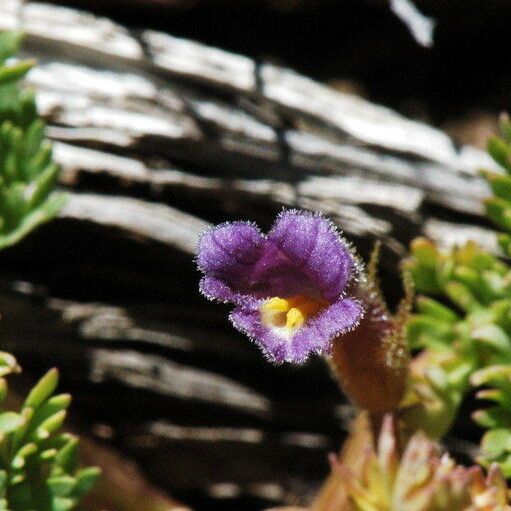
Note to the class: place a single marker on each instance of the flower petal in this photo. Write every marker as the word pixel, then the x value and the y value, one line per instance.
pixel 227 254
pixel 248 321
pixel 312 243
pixel 317 334
pixel 216 289
pixel 314 337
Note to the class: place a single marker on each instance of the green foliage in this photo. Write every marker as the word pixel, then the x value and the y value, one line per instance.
pixel 466 336
pixel 498 207
pixel 471 333
pixel 27 173
pixel 38 466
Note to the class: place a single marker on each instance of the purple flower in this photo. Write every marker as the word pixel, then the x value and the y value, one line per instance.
pixel 288 287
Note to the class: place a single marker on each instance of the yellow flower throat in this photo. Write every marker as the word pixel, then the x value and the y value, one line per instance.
pixel 290 313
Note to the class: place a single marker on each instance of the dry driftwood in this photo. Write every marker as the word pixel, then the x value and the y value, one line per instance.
pixel 158 138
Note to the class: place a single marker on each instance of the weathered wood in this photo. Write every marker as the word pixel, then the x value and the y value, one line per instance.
pixel 148 220
pixel 158 138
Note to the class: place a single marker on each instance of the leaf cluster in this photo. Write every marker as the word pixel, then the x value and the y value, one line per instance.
pixel 28 175
pixel 464 325
pixel 38 462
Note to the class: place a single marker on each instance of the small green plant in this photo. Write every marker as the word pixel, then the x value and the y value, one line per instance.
pixel 28 174
pixel 38 462
pixel 417 478
pixel 466 336
pixel 457 339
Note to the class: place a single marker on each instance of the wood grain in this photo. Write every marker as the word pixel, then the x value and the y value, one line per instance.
pixel 158 138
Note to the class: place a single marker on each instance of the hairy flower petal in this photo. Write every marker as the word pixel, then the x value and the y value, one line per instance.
pixel 312 243
pixel 228 254
pixel 314 337
pixel 289 287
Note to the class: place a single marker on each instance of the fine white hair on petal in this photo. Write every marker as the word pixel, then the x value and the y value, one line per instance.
pixel 358 266
pixel 217 227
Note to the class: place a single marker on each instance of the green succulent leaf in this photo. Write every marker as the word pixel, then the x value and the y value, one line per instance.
pixel 8 365
pixel 10 421
pixel 10 43
pixel 38 461
pixel 463 328
pixel 85 480
pixel 28 177
pixel 496 443
pixel 43 389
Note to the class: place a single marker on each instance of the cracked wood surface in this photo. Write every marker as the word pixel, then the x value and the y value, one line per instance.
pixel 158 138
